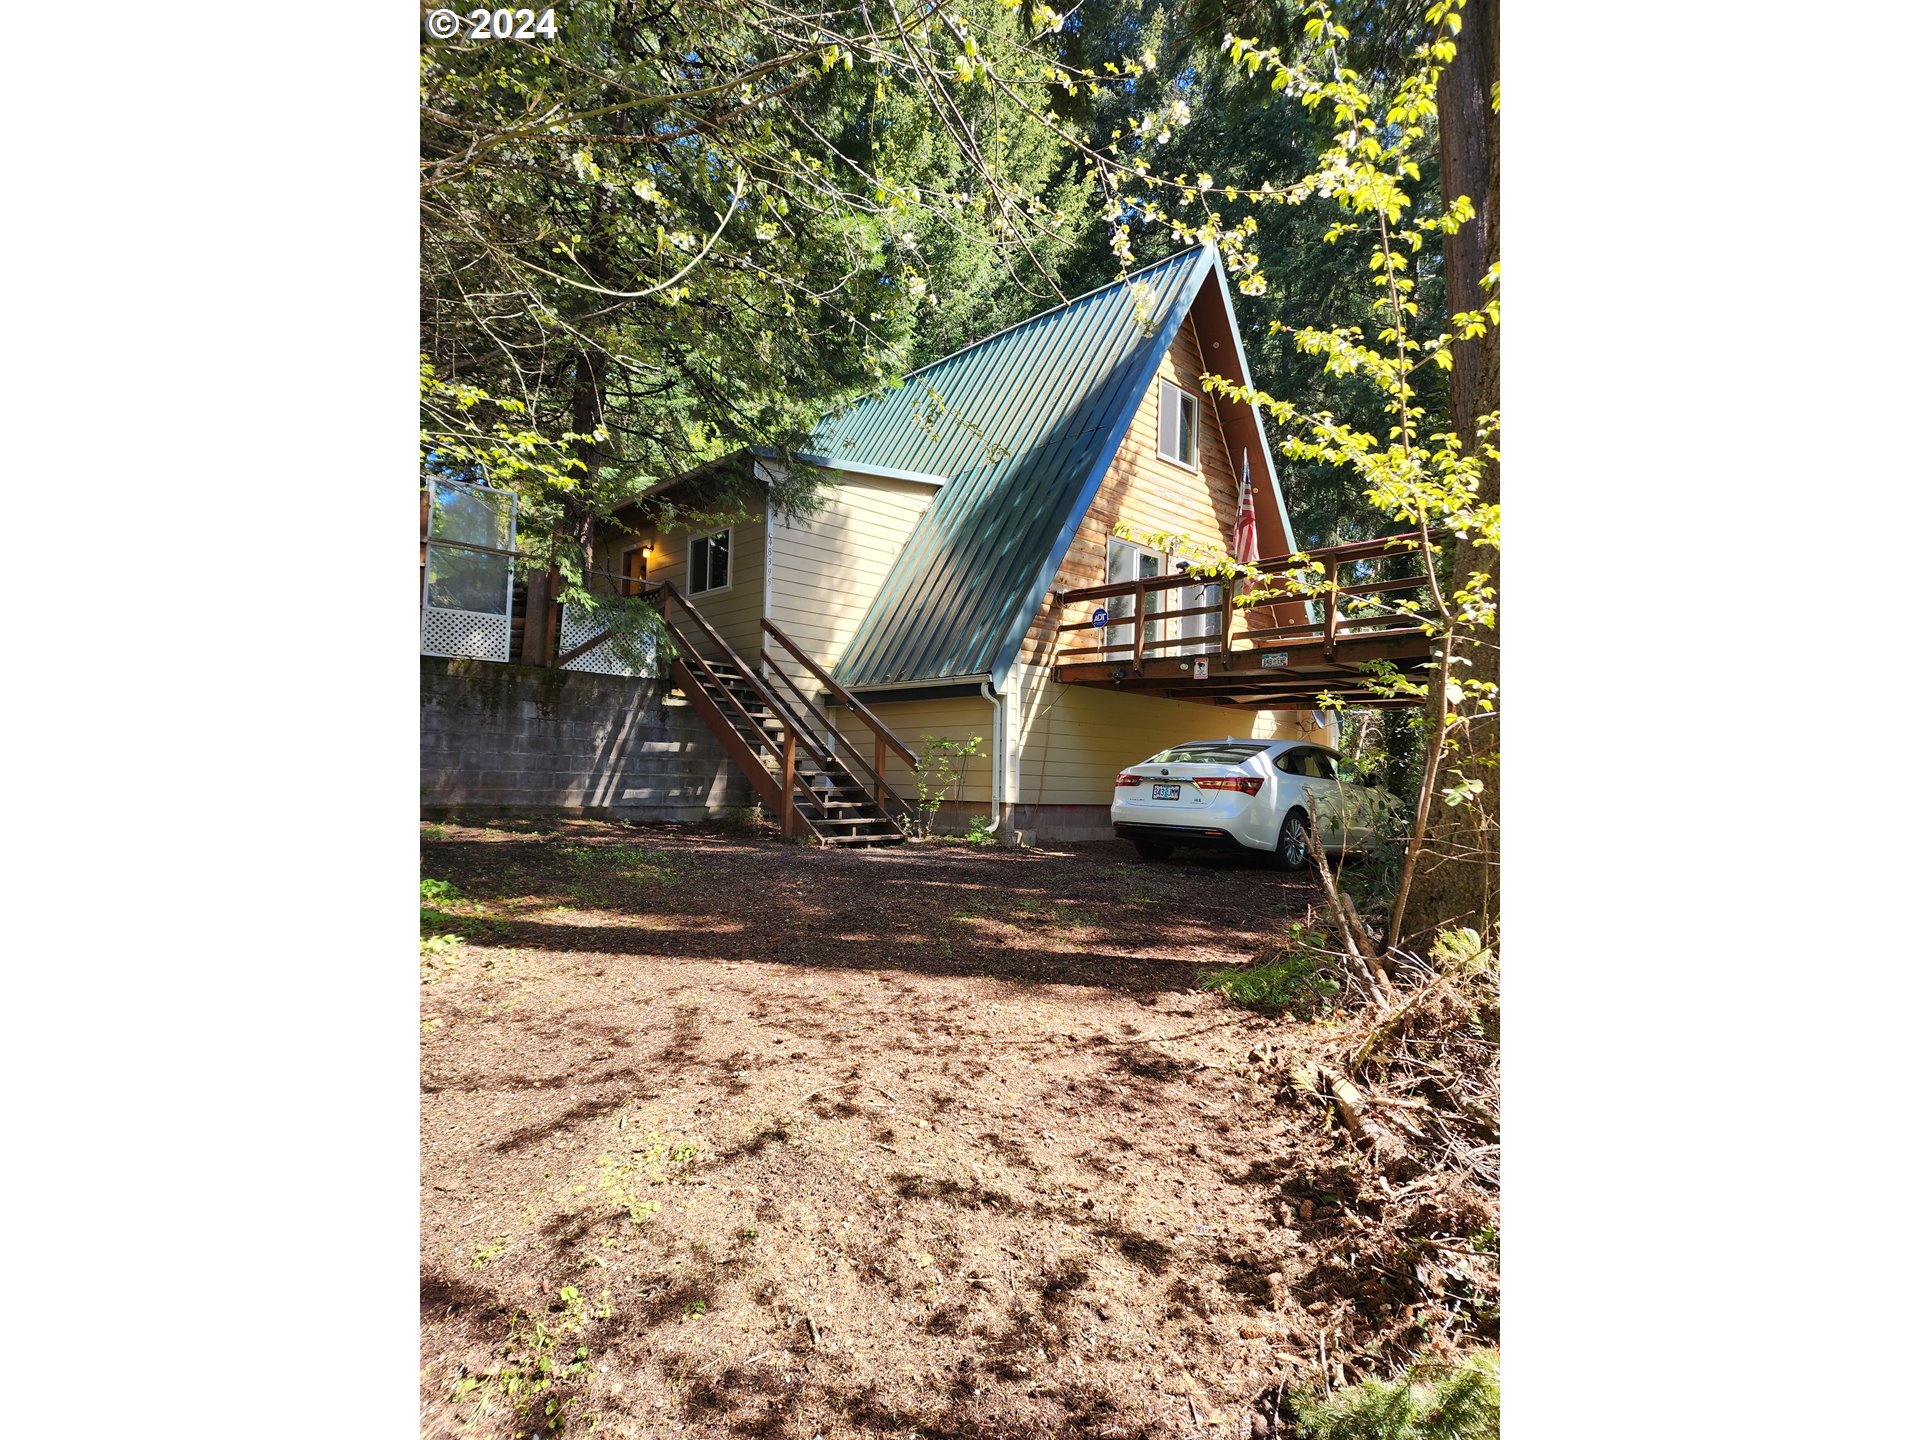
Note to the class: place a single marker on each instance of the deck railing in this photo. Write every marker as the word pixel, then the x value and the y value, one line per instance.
pixel 1081 607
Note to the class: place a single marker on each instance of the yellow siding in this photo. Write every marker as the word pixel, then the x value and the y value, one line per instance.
pixel 827 570
pixel 735 610
pixel 958 719
pixel 1075 738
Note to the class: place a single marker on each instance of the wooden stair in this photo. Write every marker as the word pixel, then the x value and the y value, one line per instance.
pixel 798 762
pixel 836 807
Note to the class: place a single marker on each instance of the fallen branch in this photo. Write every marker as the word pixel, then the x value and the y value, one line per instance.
pixel 1183 1035
pixel 1365 962
pixel 1397 1020
pixel 1359 931
pixel 1348 1099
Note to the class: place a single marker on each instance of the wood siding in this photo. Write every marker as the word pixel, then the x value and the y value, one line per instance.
pixel 734 611
pixel 957 718
pixel 827 570
pixel 1149 494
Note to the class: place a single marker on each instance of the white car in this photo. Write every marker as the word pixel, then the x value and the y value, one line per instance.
pixel 1256 794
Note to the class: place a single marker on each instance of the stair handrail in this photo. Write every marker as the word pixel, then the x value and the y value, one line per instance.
pixel 882 791
pixel 714 683
pixel 807 740
pixel 812 709
pixel 846 697
pixel 795 731
pixel 778 789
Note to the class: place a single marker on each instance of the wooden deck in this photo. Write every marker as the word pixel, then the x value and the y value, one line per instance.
pixel 1276 667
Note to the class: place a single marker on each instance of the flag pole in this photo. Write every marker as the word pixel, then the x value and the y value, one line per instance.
pixel 1233 582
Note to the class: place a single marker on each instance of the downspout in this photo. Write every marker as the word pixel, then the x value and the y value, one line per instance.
pixel 998 766
pixel 1006 758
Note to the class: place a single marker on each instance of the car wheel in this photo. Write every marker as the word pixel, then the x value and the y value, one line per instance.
pixel 1291 851
pixel 1154 849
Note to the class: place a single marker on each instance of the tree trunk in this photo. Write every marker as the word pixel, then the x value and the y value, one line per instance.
pixel 1470 166
pixel 589 409
pixel 1457 881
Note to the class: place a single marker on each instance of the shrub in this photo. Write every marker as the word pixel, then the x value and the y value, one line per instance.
pixel 938 777
pixel 1294 979
pixel 1457 1400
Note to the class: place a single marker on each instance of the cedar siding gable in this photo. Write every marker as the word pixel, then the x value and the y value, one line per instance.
pixel 1022 425
pixel 1048 437
pixel 1148 494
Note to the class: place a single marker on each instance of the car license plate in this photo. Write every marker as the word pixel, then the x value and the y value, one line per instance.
pixel 1166 792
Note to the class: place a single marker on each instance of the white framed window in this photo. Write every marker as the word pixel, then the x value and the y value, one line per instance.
pixel 1179 425
pixel 1127 562
pixel 1202 632
pixel 709 562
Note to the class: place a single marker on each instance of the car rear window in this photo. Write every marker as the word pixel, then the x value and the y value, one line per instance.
pixel 1218 754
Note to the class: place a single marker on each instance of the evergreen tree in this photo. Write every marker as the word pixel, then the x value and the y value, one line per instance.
pixel 677 230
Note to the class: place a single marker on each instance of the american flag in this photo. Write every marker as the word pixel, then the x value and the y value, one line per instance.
pixel 1245 545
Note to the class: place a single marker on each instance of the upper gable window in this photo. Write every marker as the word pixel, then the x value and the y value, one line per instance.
pixel 1179 425
pixel 707 562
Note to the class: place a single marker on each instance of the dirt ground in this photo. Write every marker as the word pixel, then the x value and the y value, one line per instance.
pixel 723 1137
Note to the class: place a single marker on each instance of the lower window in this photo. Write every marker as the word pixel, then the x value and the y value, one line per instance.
pixel 707 561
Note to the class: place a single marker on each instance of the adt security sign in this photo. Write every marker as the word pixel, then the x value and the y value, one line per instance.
pixel 1100 616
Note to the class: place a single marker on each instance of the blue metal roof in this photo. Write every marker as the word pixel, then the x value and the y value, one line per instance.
pixel 1024 425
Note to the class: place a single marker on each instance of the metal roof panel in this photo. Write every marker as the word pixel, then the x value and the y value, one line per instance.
pixel 1023 424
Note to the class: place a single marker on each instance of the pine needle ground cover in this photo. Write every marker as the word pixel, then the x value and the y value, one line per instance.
pixel 723 1138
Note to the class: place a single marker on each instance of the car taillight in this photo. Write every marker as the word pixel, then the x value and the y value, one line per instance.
pixel 1245 784
pixel 1123 778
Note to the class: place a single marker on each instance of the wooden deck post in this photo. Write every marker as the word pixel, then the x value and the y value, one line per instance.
pixel 789 811
pixel 1226 619
pixel 537 633
pixel 1139 623
pixel 1332 602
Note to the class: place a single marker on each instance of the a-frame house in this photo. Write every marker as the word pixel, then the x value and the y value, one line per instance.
pixel 922 599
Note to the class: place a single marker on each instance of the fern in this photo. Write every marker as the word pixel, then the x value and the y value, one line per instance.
pixel 1460 1401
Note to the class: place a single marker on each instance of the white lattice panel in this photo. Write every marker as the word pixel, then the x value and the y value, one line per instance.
pixel 465 633
pixel 602 659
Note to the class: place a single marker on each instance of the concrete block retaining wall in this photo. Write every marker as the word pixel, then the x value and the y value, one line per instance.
pixel 514 737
